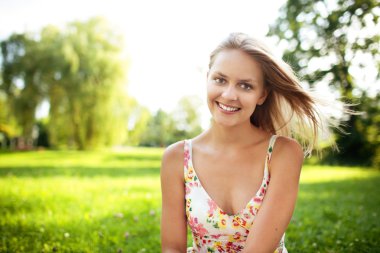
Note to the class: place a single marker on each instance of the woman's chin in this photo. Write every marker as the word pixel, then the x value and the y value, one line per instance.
pixel 224 122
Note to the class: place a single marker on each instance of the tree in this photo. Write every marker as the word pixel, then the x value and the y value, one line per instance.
pixel 22 73
pixel 80 70
pixel 166 128
pixel 187 119
pixel 138 124
pixel 8 124
pixel 88 86
pixel 159 130
pixel 332 42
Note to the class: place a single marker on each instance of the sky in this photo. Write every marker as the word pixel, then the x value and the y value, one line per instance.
pixel 167 41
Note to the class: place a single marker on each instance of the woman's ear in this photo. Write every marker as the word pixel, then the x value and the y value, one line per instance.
pixel 263 97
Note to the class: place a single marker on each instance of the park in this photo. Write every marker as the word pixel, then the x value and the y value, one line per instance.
pixel 80 153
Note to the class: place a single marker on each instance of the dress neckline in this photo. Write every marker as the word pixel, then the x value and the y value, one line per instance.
pixel 257 194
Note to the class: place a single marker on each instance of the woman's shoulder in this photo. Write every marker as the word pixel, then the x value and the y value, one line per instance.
pixel 288 145
pixel 174 151
pixel 172 159
pixel 287 152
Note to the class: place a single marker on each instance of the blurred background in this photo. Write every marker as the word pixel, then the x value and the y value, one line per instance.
pixel 82 76
pixel 92 91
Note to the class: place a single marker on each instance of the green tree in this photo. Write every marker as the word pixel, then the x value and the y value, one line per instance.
pixel 332 41
pixel 8 124
pixel 138 124
pixel 159 130
pixel 22 74
pixel 187 118
pixel 80 70
pixel 166 128
pixel 91 84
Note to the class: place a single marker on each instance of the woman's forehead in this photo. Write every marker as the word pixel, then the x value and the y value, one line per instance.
pixel 236 63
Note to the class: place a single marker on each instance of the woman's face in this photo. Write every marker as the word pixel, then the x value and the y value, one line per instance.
pixel 235 86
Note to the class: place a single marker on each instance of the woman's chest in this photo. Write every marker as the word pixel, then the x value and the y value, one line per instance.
pixel 230 184
pixel 223 207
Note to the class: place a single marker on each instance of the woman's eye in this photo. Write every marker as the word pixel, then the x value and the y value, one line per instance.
pixel 246 86
pixel 219 80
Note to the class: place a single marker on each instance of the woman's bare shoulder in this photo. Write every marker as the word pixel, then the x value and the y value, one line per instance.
pixel 287 152
pixel 174 152
pixel 288 144
pixel 172 159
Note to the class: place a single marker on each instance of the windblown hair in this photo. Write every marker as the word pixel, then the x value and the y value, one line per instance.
pixel 289 110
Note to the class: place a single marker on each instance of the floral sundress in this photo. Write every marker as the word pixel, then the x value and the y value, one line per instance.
pixel 213 230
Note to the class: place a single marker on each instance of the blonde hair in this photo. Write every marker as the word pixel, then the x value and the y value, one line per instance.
pixel 289 110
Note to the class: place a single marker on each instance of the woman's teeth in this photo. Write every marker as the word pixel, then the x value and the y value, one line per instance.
pixel 228 108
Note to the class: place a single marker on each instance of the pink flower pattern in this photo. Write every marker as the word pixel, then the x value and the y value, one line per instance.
pixel 213 230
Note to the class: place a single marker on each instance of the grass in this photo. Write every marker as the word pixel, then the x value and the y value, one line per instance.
pixel 67 201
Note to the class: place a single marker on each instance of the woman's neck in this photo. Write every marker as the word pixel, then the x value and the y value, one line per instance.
pixel 236 136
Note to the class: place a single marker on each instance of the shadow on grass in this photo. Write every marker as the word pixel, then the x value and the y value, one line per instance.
pixel 136 162
pixel 340 216
pixel 78 171
pixel 136 157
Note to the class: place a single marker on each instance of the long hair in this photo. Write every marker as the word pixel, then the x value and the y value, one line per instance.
pixel 289 110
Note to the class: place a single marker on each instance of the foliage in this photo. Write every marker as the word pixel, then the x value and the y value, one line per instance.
pixel 187 118
pixel 138 124
pixel 164 129
pixel 158 131
pixel 43 136
pixel 8 124
pixel 80 71
pixel 337 42
pixel 22 79
pixel 70 201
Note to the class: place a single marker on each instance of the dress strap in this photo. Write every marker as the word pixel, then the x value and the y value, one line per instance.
pixel 187 154
pixel 271 145
pixel 269 152
pixel 190 147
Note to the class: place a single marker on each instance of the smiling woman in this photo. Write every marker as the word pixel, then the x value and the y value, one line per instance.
pixel 240 178
pixel 235 87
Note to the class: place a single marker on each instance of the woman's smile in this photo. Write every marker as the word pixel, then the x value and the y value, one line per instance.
pixel 227 108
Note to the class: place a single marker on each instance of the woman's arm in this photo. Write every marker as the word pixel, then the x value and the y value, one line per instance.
pixel 277 208
pixel 173 220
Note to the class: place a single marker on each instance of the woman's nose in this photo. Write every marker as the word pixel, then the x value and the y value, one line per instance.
pixel 230 93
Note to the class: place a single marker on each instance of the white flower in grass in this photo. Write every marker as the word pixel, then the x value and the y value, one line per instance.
pixel 126 235
pixel 66 235
pixel 119 215
pixel 152 212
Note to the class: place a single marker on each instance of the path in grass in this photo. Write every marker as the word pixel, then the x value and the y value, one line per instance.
pixel 67 201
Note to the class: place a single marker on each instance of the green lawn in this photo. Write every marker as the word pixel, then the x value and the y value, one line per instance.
pixel 68 201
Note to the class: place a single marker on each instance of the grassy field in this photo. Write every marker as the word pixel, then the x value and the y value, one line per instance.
pixel 67 201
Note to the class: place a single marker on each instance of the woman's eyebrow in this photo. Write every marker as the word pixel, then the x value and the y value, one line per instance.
pixel 250 80
pixel 220 74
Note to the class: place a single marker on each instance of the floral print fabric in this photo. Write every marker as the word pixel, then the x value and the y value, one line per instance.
pixel 213 230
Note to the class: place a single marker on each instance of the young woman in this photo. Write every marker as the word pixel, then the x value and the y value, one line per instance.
pixel 235 185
